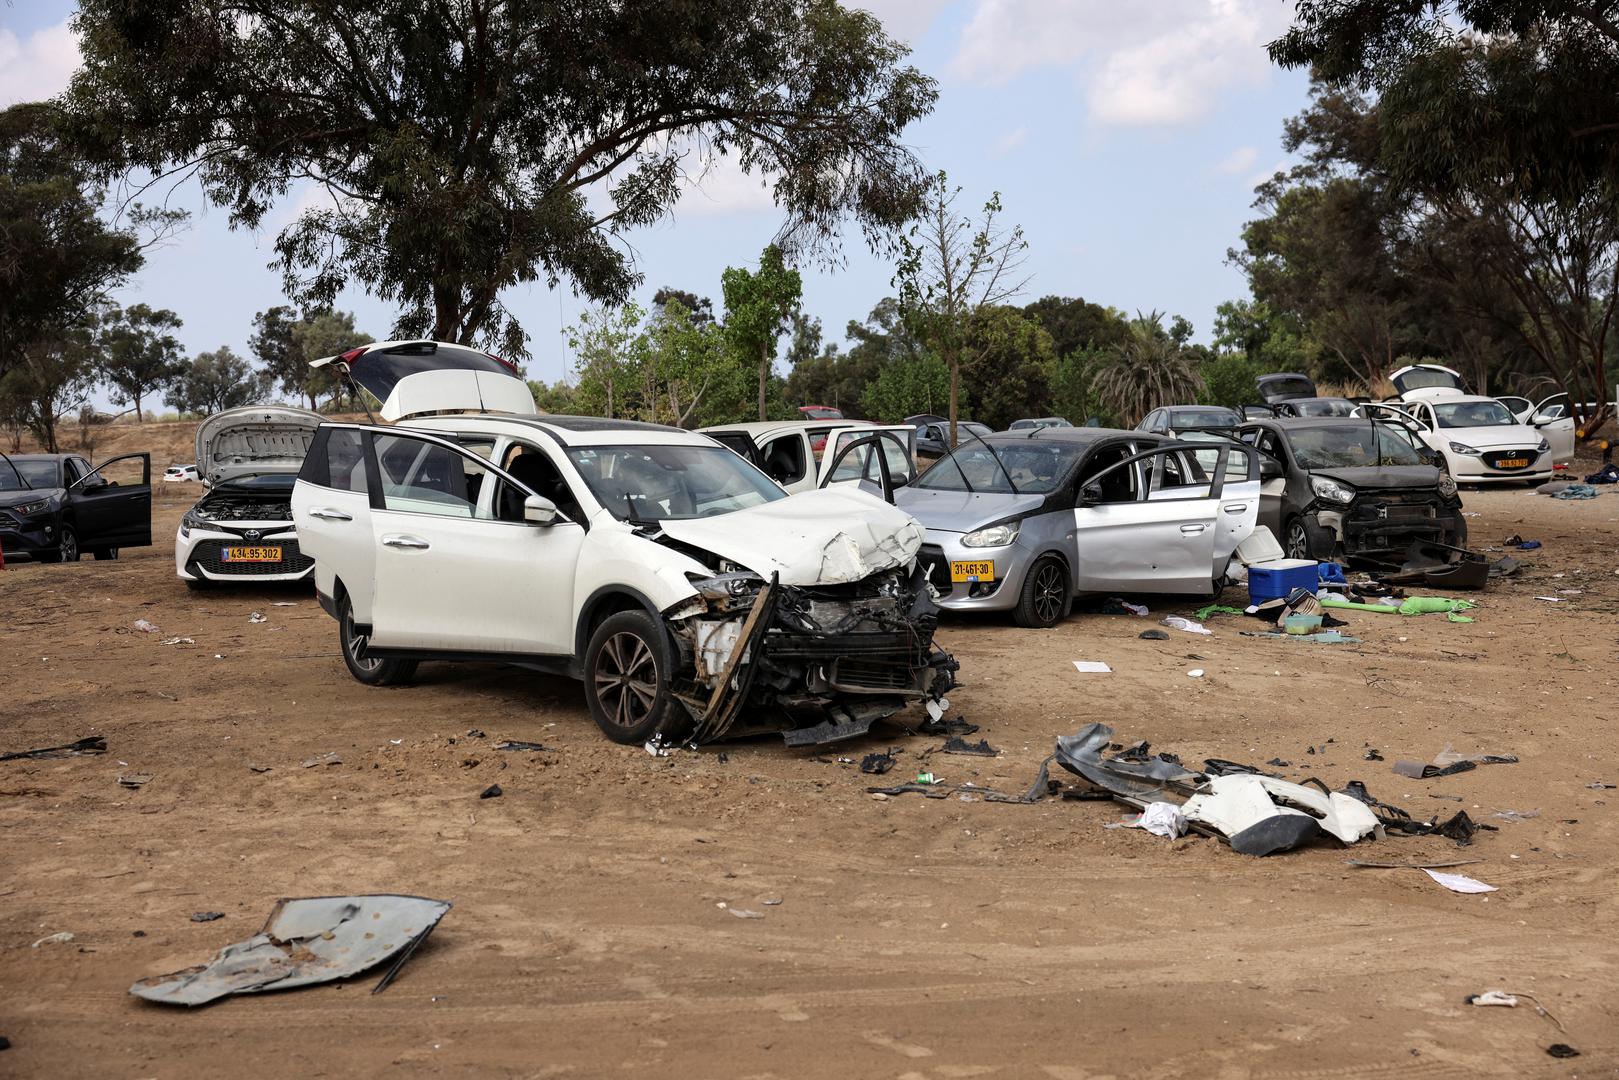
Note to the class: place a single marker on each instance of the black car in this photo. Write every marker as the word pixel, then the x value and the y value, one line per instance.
pixel 1284 386
pixel 933 433
pixel 1338 488
pixel 1174 419
pixel 55 506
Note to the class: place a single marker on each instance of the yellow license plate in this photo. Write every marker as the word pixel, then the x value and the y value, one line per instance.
pixel 252 554
pixel 972 571
pixel 1511 463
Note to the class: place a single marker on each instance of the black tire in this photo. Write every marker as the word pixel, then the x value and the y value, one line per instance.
pixel 627 668
pixel 104 554
pixel 1296 540
pixel 373 671
pixel 1043 600
pixel 67 548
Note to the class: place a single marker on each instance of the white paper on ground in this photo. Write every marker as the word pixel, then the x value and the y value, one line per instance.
pixel 1460 883
pixel 1186 624
pixel 1091 665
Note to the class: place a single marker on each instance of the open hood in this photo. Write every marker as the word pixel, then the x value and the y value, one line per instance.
pixel 416 378
pixel 1427 377
pixel 1284 386
pixel 829 537
pixel 255 440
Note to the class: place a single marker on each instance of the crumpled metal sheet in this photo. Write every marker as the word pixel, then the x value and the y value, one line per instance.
pixel 1250 811
pixel 1081 753
pixel 305 941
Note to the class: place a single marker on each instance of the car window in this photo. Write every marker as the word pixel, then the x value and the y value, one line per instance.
pixel 537 472
pixel 1516 404
pixel 70 472
pixel 1117 484
pixel 650 483
pixel 861 463
pixel 336 459
pixel 39 474
pixel 1466 414
pixel 423 477
pixel 783 458
pixel 1352 446
pixel 1036 468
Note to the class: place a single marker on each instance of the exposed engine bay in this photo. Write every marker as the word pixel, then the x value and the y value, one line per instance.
pixel 232 506
pixel 819 663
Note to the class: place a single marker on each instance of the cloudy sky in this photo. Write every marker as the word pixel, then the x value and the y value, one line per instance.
pixel 1126 138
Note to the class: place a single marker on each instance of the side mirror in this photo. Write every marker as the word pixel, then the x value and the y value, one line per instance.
pixel 1541 419
pixel 538 510
pixel 1269 469
pixel 1090 495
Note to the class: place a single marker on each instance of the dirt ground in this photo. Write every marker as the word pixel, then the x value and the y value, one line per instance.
pixel 913 937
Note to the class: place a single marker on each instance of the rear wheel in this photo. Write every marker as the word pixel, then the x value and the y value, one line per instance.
pixel 371 670
pixel 103 554
pixel 1044 599
pixel 627 668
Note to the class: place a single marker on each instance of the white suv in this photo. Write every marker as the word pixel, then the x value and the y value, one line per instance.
pixel 693 596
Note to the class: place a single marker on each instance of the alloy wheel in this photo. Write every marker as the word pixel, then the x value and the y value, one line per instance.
pixel 1049 589
pixel 626 679
pixel 1298 542
pixel 70 546
pixel 356 643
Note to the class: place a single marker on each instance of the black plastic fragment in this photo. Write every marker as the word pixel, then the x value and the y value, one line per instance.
pixel 957 745
pixel 513 744
pixel 828 731
pixel 927 791
pixel 206 916
pixel 94 744
pixel 1153 635
pixel 877 764
pixel 1284 832
pixel 491 792
pixel 957 726
pixel 1562 1050
pixel 1278 762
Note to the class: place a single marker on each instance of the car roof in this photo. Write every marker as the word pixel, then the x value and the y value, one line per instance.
pixel 1297 423
pixel 766 427
pixel 1083 436
pixel 568 430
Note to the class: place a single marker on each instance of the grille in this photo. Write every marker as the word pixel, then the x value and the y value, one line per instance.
pixel 891 648
pixel 1494 460
pixel 862 673
pixel 210 556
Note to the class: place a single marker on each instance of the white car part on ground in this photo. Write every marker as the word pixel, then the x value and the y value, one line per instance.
pixel 1246 808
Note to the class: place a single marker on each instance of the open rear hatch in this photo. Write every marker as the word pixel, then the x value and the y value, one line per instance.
pixel 1427 377
pixel 418 378
pixel 255 440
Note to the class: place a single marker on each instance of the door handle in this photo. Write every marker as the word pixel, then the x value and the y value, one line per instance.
pixel 1192 530
pixel 1234 508
pixel 326 513
pixel 402 540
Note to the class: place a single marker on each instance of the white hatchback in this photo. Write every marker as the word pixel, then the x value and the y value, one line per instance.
pixel 692 595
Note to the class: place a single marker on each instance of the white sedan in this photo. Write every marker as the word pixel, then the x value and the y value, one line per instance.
pixel 1479 438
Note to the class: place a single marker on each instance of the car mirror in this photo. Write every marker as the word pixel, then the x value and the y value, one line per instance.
pixel 1541 419
pixel 1090 494
pixel 1269 468
pixel 538 510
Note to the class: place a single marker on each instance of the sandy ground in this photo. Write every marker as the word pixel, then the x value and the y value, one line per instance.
pixel 913 938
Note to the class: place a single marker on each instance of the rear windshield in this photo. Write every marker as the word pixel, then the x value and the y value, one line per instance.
pixel 1323 407
pixel 1295 387
pixel 380 371
pixel 1463 414
pixel 1351 447
pixel 1034 467
pixel 1421 378
pixel 1202 418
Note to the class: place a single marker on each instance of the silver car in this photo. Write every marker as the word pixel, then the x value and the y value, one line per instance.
pixel 1024 521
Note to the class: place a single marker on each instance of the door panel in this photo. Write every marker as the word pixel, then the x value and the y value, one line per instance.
pixel 860 465
pixel 113 503
pixel 1155 545
pixel 331 510
pixel 1560 432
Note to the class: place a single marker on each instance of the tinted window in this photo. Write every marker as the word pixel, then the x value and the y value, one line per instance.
pixel 660 483
pixel 1351 447
pixel 380 372
pixel 1204 418
pixel 426 478
pixel 1323 407
pixel 336 459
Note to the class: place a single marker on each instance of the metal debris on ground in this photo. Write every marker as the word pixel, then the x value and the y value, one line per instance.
pixel 877 764
pixel 93 744
pixel 134 780
pixel 513 744
pixel 59 938
pixel 957 745
pixel 178 641
pixel 1493 997
pixel 322 759
pixel 304 942
pixel 206 916
pixel 491 792
pixel 258 617
pixel 744 913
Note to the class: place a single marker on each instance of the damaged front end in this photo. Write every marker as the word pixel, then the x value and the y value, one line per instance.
pixel 819 663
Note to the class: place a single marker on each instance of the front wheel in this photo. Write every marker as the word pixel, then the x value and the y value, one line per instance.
pixel 1297 540
pixel 1044 599
pixel 627 668
pixel 67 548
pixel 371 670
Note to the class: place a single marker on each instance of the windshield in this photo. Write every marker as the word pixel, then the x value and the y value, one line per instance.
pixel 39 473
pixel 671 483
pixel 1324 407
pixel 1351 447
pixel 1464 414
pixel 1202 418
pixel 1035 467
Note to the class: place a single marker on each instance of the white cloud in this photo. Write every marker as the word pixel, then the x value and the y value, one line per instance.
pixel 1239 160
pixel 715 184
pixel 1163 62
pixel 906 20
pixel 1009 142
pixel 1261 177
pixel 39 66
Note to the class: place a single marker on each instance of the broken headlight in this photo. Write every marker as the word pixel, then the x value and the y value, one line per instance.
pixel 1333 491
pixel 994 536
pixel 732 585
pixel 1447 484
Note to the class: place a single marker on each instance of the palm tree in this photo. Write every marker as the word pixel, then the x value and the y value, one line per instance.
pixel 1149 369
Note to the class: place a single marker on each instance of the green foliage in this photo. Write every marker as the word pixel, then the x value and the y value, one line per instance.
pixel 1011 364
pixel 139 354
pixel 1073 386
pixel 215 381
pixel 1075 324
pixel 558 397
pixel 759 306
pixel 907 386
pixel 1149 370
pixel 841 379
pixel 285 345
pixel 469 147
pixel 51 380
pixel 1229 380
pixel 664 368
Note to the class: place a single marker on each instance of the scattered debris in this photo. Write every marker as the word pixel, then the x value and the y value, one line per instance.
pixel 134 780
pixel 491 792
pixel 61 938
pixel 330 758
pixel 877 764
pixel 1195 673
pixel 1153 635
pixel 1598 785
pixel 1176 622
pixel 206 916
pixel 656 746
pixel 1088 666
pixel 513 744
pixel 1372 754
pixel 178 641
pixel 957 745
pixel 1159 818
pixel 1562 1050
pixel 284 603
pixel 304 942
pixel 145 627
pixel 474 733
pixel 744 913
pixel 926 778
pixel 1516 815
pixel 258 768
pixel 1551 599
pixel 258 617
pixel 1493 997
pixel 1447 763
pixel 1365 865
pixel 1460 884
pixel 93 744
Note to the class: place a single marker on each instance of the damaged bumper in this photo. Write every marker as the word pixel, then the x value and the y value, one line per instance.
pixel 1380 525
pixel 819 663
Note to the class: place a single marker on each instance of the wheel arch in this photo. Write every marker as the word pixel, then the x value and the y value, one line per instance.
pixel 605 601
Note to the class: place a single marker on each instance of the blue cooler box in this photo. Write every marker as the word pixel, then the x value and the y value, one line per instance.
pixel 1274 580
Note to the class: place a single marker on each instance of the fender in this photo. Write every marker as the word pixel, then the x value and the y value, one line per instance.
pixel 603 602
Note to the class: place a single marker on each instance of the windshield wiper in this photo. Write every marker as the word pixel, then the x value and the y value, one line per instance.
pixel 994 454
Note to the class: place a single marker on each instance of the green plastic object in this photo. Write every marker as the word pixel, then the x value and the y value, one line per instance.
pixel 1202 614
pixel 1411 605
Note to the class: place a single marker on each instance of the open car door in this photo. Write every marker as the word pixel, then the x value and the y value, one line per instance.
pixel 1555 422
pixel 739 441
pixel 851 457
pixel 112 504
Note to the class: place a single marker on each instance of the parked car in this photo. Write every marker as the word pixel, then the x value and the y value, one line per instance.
pixel 933 433
pixel 1316 406
pixel 1339 487
pixel 691 594
pixel 1479 438
pixel 820 412
pixel 1174 419
pixel 54 507
pixel 175 474
pixel 1284 386
pixel 1024 521
pixel 241 529
pixel 793 452
pixel 1039 422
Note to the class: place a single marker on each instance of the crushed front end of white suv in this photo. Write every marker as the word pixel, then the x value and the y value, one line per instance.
pixel 694 598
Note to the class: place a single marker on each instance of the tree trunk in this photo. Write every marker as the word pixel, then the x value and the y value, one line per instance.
pixel 955 387
pixel 140 417
pixel 764 368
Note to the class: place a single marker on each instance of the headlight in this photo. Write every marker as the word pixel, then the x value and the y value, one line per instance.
pixel 1543 447
pixel 1332 490
pixel 192 520
pixel 994 536
pixel 1447 484
pixel 31 508
pixel 1463 448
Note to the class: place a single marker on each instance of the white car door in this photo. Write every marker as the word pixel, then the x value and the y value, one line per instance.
pixel 1556 425
pixel 1132 539
pixel 1237 497
pixel 786 459
pixel 331 510
pixel 859 466
pixel 457 567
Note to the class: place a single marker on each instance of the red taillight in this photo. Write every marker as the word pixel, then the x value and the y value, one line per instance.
pixel 508 363
pixel 352 355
